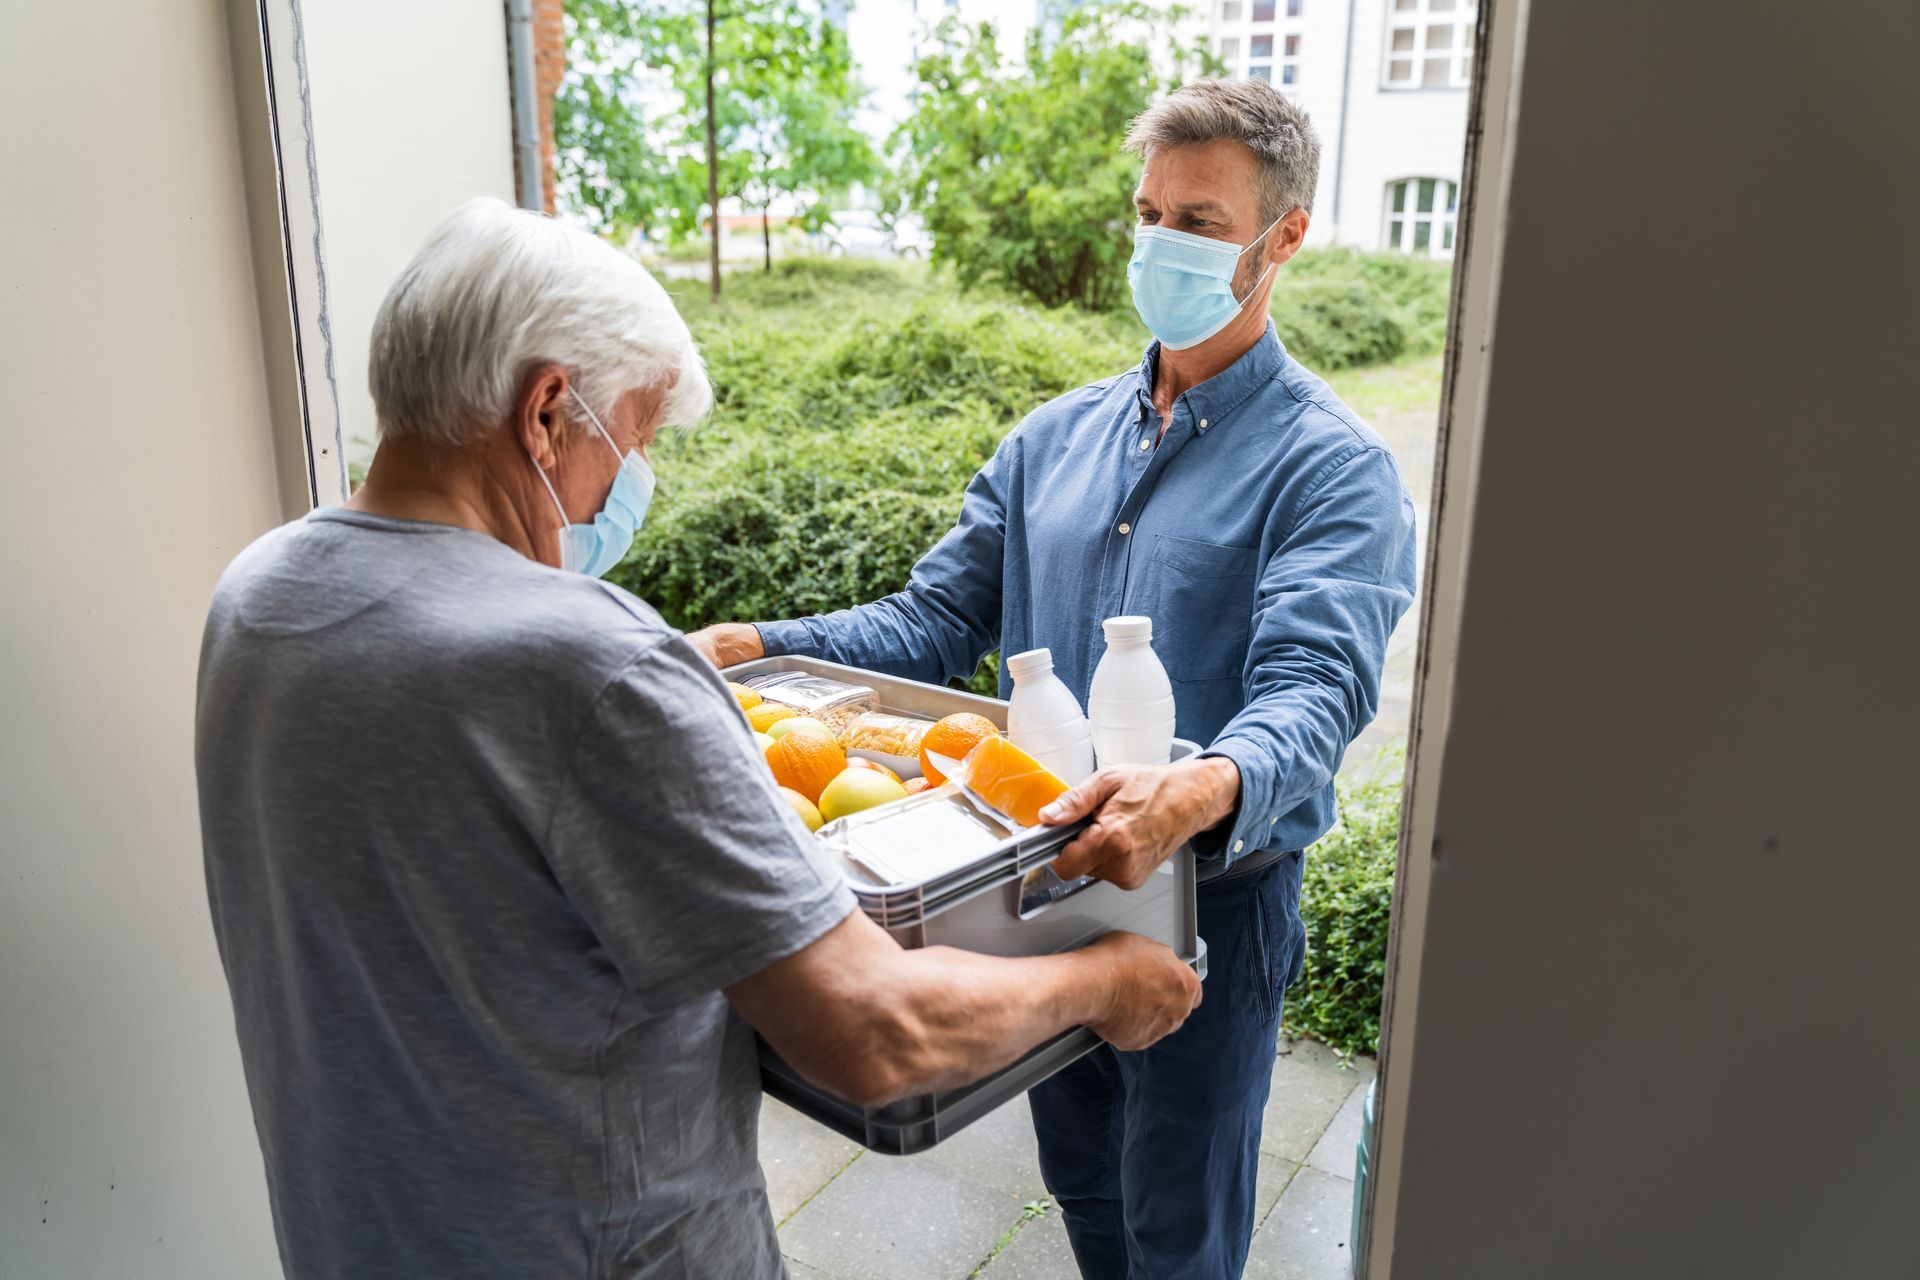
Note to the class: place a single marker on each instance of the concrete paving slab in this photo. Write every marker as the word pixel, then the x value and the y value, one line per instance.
pixel 1270 1185
pixel 1306 1236
pixel 1038 1252
pixel 798 1155
pixel 998 1151
pixel 1334 1152
pixel 900 1218
pixel 801 1271
pixel 1309 1086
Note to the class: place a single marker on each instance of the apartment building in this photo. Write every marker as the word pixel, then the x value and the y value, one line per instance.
pixel 1386 84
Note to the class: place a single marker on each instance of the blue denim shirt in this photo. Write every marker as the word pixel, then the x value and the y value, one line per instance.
pixel 1268 535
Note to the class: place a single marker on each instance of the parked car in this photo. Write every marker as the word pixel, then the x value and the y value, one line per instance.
pixel 860 233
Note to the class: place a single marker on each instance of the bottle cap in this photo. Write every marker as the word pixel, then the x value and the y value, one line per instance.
pixel 1034 662
pixel 1129 628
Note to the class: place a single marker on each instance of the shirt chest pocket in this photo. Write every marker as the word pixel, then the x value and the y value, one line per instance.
pixel 1200 597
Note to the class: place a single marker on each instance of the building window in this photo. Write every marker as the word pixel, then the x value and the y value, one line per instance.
pixel 1230 10
pixel 1260 57
pixel 1263 10
pixel 1421 213
pixel 1293 8
pixel 1429 44
pixel 1229 51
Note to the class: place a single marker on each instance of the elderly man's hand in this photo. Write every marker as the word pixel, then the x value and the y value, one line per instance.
pixel 728 644
pixel 1142 813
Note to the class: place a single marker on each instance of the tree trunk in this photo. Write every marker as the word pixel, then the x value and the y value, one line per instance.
pixel 713 170
pixel 766 239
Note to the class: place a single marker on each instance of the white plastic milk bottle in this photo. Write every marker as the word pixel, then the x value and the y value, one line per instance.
pixel 1131 702
pixel 1044 718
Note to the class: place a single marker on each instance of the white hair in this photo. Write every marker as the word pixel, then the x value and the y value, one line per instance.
pixel 496 291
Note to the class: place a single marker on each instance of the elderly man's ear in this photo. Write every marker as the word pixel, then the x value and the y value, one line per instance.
pixel 539 411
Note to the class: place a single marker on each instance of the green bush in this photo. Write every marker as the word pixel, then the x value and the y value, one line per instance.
pixel 1346 903
pixel 1335 324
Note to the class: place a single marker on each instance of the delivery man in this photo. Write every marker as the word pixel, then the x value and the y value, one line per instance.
pixel 1225 491
pixel 501 884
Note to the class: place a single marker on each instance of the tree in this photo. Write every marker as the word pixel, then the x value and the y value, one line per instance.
pixel 615 145
pixel 777 78
pixel 1017 169
pixel 680 105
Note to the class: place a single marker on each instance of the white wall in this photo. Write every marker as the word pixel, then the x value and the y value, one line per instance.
pixel 1668 1001
pixel 1391 134
pixel 412 116
pixel 138 462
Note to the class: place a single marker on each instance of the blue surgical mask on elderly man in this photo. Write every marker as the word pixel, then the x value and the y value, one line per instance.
pixel 1183 283
pixel 594 548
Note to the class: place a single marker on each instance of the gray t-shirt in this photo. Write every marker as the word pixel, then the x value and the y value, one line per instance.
pixel 483 842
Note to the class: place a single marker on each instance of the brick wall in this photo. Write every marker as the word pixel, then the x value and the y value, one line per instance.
pixel 549 69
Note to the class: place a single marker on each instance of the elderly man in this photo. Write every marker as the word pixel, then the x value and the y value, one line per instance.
pixel 1225 491
pixel 493 861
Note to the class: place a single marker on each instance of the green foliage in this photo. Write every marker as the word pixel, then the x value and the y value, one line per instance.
pixel 853 402
pixel 1402 293
pixel 630 120
pixel 1346 904
pixel 1016 166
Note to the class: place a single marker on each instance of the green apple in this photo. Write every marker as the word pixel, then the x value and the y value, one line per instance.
pixel 762 740
pixel 806 724
pixel 858 789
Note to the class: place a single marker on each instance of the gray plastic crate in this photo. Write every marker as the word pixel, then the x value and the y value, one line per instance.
pixel 978 908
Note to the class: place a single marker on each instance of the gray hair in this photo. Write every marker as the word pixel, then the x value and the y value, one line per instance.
pixel 1286 150
pixel 496 291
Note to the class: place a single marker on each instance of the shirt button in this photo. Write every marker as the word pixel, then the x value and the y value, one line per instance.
pixel 1274 821
pixel 1145 445
pixel 1126 528
pixel 1203 424
pixel 1238 845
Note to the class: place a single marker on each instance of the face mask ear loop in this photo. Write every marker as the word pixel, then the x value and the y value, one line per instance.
pixel 595 420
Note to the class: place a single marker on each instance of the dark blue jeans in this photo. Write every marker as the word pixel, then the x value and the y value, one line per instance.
pixel 1152 1156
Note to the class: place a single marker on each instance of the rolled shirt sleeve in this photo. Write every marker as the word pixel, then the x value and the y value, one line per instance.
pixel 946 620
pixel 670 840
pixel 1327 602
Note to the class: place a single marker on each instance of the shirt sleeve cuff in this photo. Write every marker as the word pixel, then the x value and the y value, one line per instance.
pixel 1253 821
pixel 778 639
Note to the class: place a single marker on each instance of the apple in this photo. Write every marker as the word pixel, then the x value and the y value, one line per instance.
pixel 762 740
pixel 803 807
pixel 803 724
pixel 857 789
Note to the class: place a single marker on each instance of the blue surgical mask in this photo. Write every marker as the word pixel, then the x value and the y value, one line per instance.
pixel 594 548
pixel 1183 283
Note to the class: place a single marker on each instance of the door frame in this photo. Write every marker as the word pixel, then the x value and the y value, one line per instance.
pixel 1480 245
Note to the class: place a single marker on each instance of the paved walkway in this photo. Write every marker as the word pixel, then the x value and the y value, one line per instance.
pixel 975 1205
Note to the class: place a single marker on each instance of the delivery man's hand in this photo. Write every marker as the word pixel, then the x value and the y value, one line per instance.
pixel 1152 990
pixel 1141 814
pixel 728 644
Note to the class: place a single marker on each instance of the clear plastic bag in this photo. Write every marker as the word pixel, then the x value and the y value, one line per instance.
pixel 885 734
pixel 832 702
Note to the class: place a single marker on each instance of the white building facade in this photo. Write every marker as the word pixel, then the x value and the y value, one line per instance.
pixel 1386 84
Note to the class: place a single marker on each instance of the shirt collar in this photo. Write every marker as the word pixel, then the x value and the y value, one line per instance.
pixel 1226 390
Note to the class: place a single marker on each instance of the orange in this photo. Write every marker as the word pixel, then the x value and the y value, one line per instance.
pixel 746 697
pixel 806 762
pixel 953 737
pixel 766 714
pixel 861 762
pixel 1011 780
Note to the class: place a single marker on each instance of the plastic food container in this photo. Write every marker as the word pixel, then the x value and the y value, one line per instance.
pixel 1006 902
pixel 831 700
